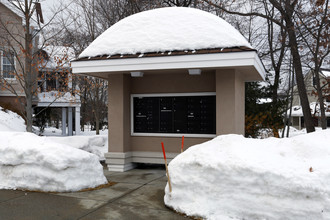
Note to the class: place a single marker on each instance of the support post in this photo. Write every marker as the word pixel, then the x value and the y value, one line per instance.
pixel 230 102
pixel 63 121
pixel 70 122
pixel 119 156
pixel 77 120
pixel 70 81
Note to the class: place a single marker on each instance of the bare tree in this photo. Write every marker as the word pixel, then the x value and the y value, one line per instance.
pixel 286 10
pixel 82 23
pixel 179 3
pixel 20 49
pixel 97 98
pixel 19 38
pixel 313 25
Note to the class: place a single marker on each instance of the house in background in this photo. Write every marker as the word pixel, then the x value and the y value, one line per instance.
pixel 172 72
pixel 11 24
pixel 56 88
pixel 297 119
pixel 52 77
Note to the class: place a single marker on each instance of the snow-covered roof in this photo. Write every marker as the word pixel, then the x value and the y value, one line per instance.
pixel 166 29
pixel 326 73
pixel 314 107
pixel 57 99
pixel 60 51
pixel 59 57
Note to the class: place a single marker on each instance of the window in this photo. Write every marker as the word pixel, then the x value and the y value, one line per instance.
pixel 8 65
pixel 50 81
pixel 188 114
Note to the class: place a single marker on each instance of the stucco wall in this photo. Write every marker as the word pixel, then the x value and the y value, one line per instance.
pixel 170 83
pixel 228 85
pixel 177 82
pixel 125 149
pixel 230 102
pixel 119 112
pixel 120 88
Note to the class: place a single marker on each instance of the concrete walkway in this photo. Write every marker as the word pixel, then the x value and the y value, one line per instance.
pixel 138 194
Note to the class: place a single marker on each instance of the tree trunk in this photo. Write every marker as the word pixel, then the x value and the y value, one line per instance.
pixel 97 107
pixel 97 124
pixel 290 113
pixel 299 75
pixel 286 119
pixel 29 112
pixel 321 99
pixel 28 71
pixel 291 101
pixel 275 86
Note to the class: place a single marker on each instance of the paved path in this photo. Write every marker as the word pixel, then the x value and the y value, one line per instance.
pixel 138 194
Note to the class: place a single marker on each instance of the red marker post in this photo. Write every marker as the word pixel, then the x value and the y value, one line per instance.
pixel 182 144
pixel 168 175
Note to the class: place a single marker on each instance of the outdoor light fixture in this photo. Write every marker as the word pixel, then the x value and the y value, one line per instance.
pixel 136 74
pixel 194 71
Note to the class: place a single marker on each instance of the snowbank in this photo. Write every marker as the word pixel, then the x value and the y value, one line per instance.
pixel 10 121
pixel 164 30
pixel 97 144
pixel 232 177
pixel 28 161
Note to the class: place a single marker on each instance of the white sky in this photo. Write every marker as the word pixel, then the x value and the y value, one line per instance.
pixel 47 7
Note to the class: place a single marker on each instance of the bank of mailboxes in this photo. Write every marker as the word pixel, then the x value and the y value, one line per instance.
pixel 181 114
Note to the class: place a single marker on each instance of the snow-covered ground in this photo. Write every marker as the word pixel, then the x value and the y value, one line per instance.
pixel 61 164
pixel 52 131
pixel 87 140
pixel 232 177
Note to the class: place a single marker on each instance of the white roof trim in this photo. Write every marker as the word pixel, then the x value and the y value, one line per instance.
pixel 214 60
pixel 59 104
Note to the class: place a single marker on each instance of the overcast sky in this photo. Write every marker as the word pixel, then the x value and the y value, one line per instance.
pixel 48 5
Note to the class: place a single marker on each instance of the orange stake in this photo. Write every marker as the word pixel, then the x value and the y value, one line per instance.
pixel 168 175
pixel 182 144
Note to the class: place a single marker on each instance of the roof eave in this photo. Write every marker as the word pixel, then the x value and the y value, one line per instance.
pixel 246 59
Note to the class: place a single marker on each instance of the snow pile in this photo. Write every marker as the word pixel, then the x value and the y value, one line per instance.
pixel 166 29
pixel 28 161
pixel 97 144
pixel 232 177
pixel 10 121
